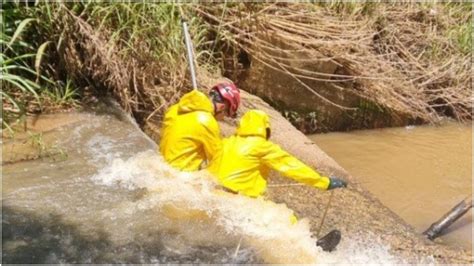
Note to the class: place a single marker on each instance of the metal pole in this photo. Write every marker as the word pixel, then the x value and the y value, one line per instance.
pixel 189 48
pixel 444 222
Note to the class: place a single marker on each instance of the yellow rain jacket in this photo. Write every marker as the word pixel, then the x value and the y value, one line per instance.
pixel 246 158
pixel 190 133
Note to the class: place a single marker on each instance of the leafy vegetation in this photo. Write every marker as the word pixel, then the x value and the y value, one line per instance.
pixel 24 87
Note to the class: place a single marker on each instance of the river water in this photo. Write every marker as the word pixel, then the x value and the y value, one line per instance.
pixel 114 200
pixel 418 172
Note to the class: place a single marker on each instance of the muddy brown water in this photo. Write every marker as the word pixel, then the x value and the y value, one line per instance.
pixel 418 172
pixel 114 200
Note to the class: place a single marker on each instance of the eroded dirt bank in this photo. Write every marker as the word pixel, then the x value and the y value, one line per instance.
pixel 353 210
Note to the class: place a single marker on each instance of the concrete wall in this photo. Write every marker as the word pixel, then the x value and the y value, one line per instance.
pixel 305 110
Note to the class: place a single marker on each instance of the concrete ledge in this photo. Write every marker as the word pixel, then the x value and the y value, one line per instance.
pixel 354 210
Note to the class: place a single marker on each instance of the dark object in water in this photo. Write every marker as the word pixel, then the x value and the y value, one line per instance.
pixel 454 214
pixel 330 241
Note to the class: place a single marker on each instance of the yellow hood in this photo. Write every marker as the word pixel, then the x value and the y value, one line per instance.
pixel 254 123
pixel 195 101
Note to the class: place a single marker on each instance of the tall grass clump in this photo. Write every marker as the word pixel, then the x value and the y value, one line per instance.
pixel 133 51
pixel 25 86
pixel 412 58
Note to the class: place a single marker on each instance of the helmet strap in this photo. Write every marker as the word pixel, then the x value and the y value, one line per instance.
pixel 217 109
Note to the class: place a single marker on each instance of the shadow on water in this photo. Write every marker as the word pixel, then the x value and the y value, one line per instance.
pixel 84 210
pixel 30 238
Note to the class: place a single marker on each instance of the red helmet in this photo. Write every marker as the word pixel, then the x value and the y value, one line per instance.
pixel 230 93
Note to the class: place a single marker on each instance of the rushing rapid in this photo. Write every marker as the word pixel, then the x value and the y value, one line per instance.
pixel 115 200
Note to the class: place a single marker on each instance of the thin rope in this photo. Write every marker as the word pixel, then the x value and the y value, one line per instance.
pixel 325 212
pixel 238 247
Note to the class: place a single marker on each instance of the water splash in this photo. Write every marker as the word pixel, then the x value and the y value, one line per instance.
pixel 191 204
pixel 115 200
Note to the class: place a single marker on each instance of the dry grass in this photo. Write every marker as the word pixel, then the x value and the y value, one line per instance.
pixel 411 58
pixel 403 57
pixel 131 51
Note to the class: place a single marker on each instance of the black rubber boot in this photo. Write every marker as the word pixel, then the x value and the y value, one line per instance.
pixel 330 241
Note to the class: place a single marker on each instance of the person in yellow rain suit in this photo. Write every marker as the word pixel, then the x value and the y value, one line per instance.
pixel 190 134
pixel 245 159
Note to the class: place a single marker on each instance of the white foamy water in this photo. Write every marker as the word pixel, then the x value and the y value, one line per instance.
pixel 262 225
pixel 115 200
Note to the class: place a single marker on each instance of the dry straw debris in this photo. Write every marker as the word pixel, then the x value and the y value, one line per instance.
pixel 412 58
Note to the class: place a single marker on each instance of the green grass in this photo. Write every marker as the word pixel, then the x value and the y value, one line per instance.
pixel 462 34
pixel 62 94
pixel 15 57
pixel 24 84
pixel 53 152
pixel 156 27
pixel 148 34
